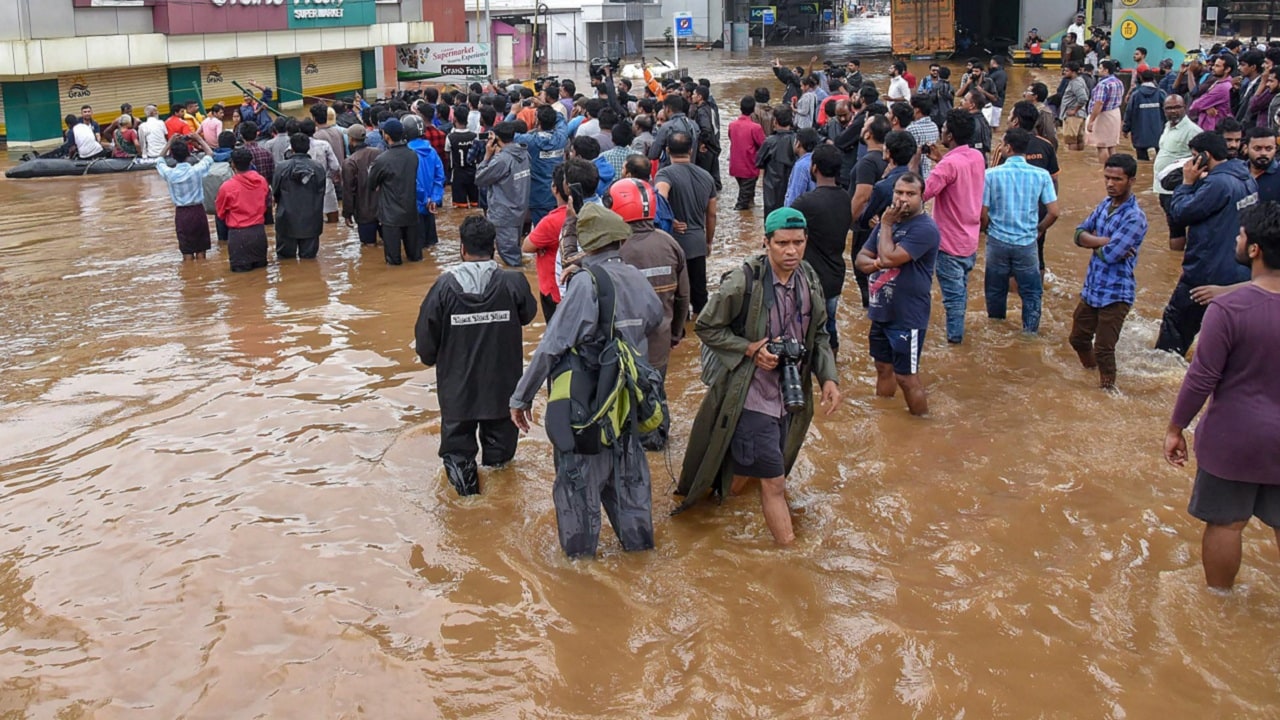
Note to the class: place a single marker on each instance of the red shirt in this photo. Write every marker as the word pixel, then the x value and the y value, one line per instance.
pixel 546 238
pixel 822 107
pixel 911 79
pixel 242 200
pixel 745 139
pixel 175 126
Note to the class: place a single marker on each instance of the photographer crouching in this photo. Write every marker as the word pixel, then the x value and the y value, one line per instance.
pixel 764 336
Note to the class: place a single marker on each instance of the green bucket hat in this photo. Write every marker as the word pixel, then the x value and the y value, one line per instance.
pixel 599 227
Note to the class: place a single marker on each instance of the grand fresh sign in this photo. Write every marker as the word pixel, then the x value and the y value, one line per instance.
pixel 443 62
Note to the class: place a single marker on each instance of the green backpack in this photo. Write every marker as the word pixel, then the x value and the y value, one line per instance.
pixel 602 389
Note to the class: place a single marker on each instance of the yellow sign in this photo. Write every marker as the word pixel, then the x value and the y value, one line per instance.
pixel 1128 29
pixel 1129 3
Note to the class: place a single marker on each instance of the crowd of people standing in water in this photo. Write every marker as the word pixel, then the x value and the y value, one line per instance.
pixel 614 192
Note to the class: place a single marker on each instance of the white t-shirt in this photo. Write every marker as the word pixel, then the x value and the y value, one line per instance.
pixel 86 145
pixel 1079 31
pixel 151 136
pixel 899 89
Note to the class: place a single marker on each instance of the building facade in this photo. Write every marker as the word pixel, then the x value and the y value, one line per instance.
pixel 59 55
pixel 555 31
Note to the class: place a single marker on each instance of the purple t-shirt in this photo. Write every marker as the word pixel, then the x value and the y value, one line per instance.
pixel 1239 436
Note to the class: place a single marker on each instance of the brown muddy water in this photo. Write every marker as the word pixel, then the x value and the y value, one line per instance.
pixel 220 499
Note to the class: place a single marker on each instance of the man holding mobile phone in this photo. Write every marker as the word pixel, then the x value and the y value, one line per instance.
pixel 1208 203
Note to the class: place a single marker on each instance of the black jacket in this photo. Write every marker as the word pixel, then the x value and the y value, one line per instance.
pixel 394 176
pixel 475 342
pixel 298 188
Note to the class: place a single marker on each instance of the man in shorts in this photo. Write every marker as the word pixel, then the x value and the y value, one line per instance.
pixel 1074 107
pixel 900 256
pixel 1238 437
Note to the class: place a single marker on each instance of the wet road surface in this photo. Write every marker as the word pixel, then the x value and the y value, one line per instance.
pixel 221 499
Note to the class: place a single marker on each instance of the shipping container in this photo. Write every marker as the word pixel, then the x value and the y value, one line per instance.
pixel 924 28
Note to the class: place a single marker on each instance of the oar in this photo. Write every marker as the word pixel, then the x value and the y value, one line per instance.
pixel 270 109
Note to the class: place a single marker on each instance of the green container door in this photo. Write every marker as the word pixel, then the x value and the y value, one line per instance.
pixel 32 111
pixel 369 73
pixel 289 75
pixel 184 86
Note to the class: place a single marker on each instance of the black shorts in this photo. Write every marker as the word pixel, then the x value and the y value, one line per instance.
pixel 1175 230
pixel 1218 501
pixel 758 444
pixel 900 347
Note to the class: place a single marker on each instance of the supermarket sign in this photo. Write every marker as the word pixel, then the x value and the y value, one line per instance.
pixel 443 62
pixel 188 17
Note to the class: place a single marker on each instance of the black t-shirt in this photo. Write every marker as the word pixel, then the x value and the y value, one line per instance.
pixel 868 171
pixel 1040 153
pixel 828 215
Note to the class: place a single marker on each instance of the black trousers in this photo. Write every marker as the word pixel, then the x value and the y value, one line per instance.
pixel 368 233
pixel 710 161
pixel 497 443
pixel 305 248
pixel 860 238
pixel 465 191
pixel 394 237
pixel 697 268
pixel 427 225
pixel 1181 321
pixel 746 193
pixel 548 307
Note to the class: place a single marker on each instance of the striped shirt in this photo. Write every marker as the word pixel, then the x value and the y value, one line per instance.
pixel 1110 276
pixel 1011 196
pixel 1110 92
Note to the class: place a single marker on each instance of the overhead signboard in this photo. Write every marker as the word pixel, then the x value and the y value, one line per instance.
pixel 756 13
pixel 443 62
pixel 188 17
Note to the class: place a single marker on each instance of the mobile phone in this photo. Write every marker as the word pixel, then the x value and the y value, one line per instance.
pixel 926 148
pixel 576 196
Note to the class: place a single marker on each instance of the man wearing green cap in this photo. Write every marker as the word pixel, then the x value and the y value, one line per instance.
pixel 767 323
pixel 618 476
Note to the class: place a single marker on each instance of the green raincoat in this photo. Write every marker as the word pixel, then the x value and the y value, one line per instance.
pixel 707 462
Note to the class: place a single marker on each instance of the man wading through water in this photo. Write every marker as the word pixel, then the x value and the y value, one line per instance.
pixel 749 425
pixel 618 475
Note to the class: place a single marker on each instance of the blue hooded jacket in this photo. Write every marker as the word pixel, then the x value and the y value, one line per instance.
pixel 1144 116
pixel 1208 209
pixel 430 174
pixel 546 152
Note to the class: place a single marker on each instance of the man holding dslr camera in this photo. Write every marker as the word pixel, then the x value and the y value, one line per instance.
pixel 765 335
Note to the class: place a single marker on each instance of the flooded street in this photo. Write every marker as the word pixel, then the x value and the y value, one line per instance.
pixel 221 499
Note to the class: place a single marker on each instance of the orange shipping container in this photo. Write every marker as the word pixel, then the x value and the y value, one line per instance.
pixel 924 28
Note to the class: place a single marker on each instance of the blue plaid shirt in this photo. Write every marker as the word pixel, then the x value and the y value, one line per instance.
pixel 1012 195
pixel 1110 276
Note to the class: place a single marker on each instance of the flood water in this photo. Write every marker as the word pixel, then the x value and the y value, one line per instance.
pixel 221 499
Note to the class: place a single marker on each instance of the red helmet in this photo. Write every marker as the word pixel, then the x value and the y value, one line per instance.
pixel 632 200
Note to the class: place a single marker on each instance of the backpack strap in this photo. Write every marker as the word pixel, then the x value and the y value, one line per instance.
pixel 739 324
pixel 606 298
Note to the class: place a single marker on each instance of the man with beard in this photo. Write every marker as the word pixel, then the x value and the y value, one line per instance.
pixel 1172 153
pixel 1211 108
pixel 1207 203
pixel 1260 152
pixel 1236 437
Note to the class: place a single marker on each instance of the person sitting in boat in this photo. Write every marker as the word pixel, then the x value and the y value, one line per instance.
pixel 124 140
pixel 86 145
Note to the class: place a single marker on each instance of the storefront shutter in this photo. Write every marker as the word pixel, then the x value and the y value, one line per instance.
pixel 216 78
pixel 107 90
pixel 331 74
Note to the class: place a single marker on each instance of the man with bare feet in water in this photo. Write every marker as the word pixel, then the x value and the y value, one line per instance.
pixel 900 257
pixel 766 328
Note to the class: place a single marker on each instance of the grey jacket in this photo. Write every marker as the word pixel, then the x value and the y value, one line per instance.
pixel 507 175
pixel 638 312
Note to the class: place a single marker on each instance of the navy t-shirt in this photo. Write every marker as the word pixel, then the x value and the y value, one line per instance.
pixel 901 296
